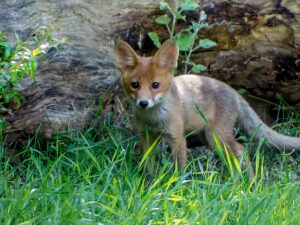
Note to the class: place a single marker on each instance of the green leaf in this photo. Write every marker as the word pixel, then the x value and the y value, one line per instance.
pixel 198 68
pixel 203 16
pixel 163 5
pixel 31 67
pixel 2 35
pixel 179 16
pixel 242 91
pixel 49 37
pixel 26 69
pixel 189 5
pixel 2 124
pixel 164 20
pixel 13 75
pixel 2 72
pixel 20 73
pixel 194 26
pixel 8 97
pixel 31 42
pixel 17 84
pixel 33 64
pixel 17 100
pixel 154 38
pixel 4 64
pixel 5 51
pixel 207 43
pixel 185 41
pixel 197 27
pixel 5 78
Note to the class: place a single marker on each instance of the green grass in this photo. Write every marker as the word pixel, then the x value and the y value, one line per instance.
pixel 88 178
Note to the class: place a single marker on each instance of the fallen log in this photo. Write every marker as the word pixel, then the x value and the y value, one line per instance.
pixel 258 50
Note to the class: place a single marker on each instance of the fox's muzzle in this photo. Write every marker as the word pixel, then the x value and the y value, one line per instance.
pixel 144 103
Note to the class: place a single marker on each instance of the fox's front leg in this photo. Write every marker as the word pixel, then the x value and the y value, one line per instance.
pixel 179 151
pixel 146 144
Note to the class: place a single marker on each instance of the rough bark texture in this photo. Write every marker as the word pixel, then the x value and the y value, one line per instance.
pixel 258 49
pixel 69 84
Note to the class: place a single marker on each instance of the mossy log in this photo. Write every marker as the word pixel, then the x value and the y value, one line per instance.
pixel 258 50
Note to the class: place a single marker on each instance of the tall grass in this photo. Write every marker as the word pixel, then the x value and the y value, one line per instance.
pixel 88 178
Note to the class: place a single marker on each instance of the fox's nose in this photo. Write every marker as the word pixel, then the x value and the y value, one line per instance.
pixel 143 103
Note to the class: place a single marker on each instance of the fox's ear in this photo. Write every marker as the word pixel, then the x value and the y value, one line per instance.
pixel 125 56
pixel 167 55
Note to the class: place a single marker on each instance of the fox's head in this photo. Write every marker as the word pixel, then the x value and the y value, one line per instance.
pixel 146 79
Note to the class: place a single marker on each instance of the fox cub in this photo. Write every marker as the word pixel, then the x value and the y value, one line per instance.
pixel 169 106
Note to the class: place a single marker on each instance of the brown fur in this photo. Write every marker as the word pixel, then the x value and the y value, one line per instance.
pixel 176 113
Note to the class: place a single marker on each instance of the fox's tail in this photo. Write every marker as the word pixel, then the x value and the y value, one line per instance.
pixel 249 121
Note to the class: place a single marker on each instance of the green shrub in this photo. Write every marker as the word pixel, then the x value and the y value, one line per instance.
pixel 187 38
pixel 17 62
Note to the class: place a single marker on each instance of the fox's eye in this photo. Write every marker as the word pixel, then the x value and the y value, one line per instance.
pixel 155 85
pixel 135 85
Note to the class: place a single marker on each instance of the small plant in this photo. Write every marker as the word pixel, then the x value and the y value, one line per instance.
pixel 16 63
pixel 187 39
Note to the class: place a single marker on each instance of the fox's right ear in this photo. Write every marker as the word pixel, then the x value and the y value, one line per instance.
pixel 167 55
pixel 125 56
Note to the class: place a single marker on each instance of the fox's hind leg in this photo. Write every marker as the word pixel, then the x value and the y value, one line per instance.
pixel 225 135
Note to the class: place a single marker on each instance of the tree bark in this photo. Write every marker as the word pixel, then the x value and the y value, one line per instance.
pixel 70 83
pixel 258 50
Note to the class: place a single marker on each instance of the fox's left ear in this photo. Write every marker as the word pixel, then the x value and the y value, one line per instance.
pixel 167 55
pixel 125 56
